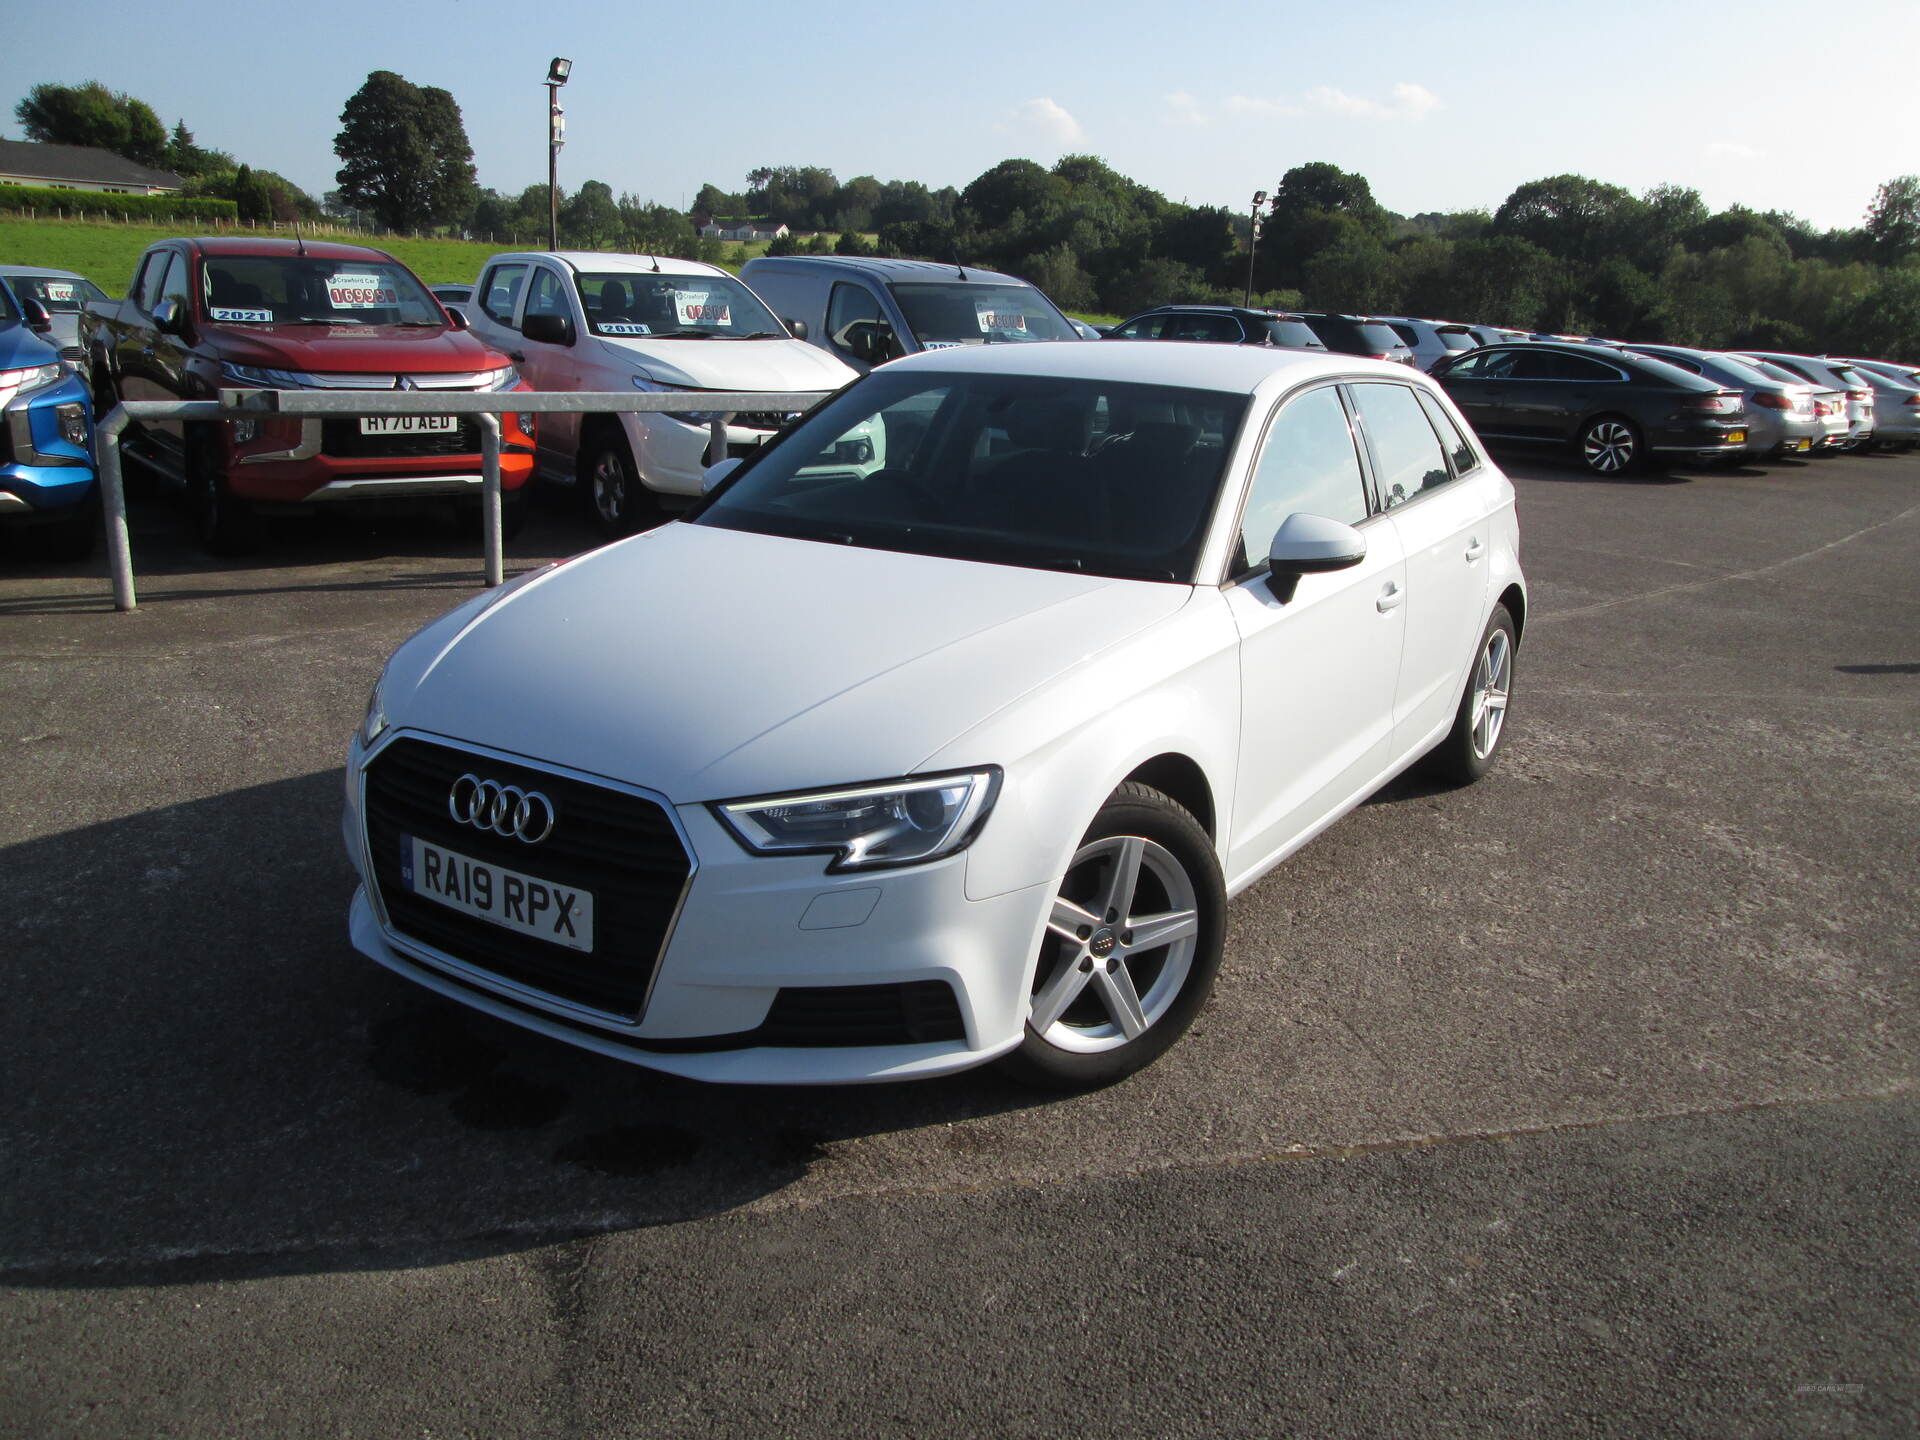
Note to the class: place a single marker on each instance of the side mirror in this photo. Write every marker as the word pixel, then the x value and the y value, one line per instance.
pixel 458 318
pixel 169 317
pixel 795 328
pixel 548 329
pixel 38 320
pixel 717 473
pixel 1310 545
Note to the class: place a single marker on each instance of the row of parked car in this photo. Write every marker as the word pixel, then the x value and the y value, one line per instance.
pixel 202 315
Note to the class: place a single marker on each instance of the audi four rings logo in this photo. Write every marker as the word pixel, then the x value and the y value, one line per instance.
pixel 527 815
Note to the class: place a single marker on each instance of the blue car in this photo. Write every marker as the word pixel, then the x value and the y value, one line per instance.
pixel 48 486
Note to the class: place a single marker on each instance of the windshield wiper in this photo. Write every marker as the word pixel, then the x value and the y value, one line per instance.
pixel 683 335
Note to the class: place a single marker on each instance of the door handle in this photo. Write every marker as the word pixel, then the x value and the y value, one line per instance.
pixel 1390 598
pixel 1475 549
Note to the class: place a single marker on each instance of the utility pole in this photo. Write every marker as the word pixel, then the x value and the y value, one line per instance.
pixel 1253 239
pixel 557 74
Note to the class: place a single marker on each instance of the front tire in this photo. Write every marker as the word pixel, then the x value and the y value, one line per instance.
pixel 618 501
pixel 226 524
pixel 1480 724
pixel 1131 949
pixel 1612 447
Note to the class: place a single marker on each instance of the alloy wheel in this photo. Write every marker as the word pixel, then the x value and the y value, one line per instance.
pixel 1609 447
pixel 1492 678
pixel 609 483
pixel 1121 941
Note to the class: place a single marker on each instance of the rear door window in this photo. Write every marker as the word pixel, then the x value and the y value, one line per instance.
pixel 1406 453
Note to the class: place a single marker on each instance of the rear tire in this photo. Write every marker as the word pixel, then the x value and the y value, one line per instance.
pixel 1480 724
pixel 1611 446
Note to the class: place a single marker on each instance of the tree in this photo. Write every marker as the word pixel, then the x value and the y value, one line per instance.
pixel 94 116
pixel 404 153
pixel 1893 220
pixel 590 218
pixel 713 201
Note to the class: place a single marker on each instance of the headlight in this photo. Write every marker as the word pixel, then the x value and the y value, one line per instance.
pixel 685 417
pixel 899 822
pixel 259 378
pixel 375 724
pixel 37 378
pixel 500 379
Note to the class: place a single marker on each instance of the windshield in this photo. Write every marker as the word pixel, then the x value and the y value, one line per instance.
pixel 1094 476
pixel 57 292
pixel 716 307
pixel 942 316
pixel 304 289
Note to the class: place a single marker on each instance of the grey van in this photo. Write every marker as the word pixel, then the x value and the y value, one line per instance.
pixel 869 311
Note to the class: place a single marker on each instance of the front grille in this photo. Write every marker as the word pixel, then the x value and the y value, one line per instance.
pixel 764 419
pixel 342 438
pixel 621 848
pixel 912 1013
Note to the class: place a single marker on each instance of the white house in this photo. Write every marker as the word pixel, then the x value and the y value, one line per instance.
pixel 746 230
pixel 77 167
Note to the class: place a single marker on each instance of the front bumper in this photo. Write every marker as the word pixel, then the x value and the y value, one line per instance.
pixel 293 461
pixel 750 929
pixel 43 475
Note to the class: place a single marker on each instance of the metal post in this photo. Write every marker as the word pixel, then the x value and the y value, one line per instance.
pixel 490 496
pixel 1253 241
pixel 553 169
pixel 113 504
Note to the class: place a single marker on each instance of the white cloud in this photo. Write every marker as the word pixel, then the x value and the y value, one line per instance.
pixel 1257 105
pixel 1410 102
pixel 1186 110
pixel 1731 150
pixel 1044 119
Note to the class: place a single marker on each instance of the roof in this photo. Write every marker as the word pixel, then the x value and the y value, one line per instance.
pixel 80 162
pixel 41 271
pixel 892 270
pixel 607 261
pixel 1236 369
pixel 263 245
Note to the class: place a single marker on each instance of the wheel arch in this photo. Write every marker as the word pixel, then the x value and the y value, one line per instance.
pixel 1181 779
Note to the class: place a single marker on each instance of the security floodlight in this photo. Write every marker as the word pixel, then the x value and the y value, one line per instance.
pixel 557 74
pixel 558 71
pixel 1259 198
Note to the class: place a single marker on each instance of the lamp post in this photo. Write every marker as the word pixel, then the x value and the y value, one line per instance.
pixel 1253 239
pixel 557 74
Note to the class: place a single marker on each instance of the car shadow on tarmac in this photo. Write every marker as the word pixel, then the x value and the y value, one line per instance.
pixel 208 1082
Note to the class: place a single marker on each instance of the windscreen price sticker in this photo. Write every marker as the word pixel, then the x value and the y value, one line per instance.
pixel 59 290
pixel 701 309
pixel 360 292
pixel 992 319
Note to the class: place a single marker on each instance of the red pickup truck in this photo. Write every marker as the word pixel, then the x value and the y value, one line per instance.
pixel 220 313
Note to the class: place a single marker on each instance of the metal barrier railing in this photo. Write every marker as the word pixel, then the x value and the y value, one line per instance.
pixel 487 406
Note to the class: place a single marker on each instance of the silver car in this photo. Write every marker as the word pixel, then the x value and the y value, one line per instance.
pixel 1430 340
pixel 1906 374
pixel 1830 375
pixel 1896 408
pixel 1780 413
pixel 63 295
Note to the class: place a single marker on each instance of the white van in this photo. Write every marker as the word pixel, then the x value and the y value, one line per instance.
pixel 584 321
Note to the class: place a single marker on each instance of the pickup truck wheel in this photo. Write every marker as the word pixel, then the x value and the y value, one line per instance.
pixel 618 501
pixel 226 524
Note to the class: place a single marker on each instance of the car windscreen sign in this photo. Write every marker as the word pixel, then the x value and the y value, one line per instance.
pixel 60 290
pixel 695 307
pixel 228 314
pixel 360 292
pixel 622 327
pixel 999 316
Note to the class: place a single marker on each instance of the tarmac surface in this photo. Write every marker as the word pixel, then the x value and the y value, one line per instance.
pixel 1578 1102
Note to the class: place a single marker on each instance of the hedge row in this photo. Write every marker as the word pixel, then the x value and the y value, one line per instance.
pixel 44 200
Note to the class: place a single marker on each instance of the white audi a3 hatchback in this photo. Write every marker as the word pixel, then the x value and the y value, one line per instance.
pixel 863 774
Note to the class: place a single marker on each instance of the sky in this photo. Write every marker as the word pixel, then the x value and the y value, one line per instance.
pixel 1441 104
